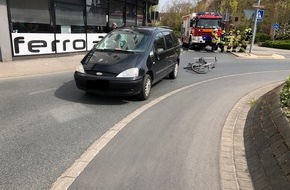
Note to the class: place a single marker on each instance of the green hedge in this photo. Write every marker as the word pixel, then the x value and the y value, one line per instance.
pixel 280 44
pixel 285 97
pixel 261 37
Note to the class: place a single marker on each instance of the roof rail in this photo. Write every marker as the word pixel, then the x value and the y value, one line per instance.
pixel 166 27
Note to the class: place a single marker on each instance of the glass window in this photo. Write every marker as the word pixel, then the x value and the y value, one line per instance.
pixel 208 23
pixel 69 16
pixel 30 16
pixel 131 14
pixel 125 40
pixel 140 13
pixel 192 22
pixel 174 38
pixel 168 39
pixel 96 15
pixel 117 9
pixel 159 42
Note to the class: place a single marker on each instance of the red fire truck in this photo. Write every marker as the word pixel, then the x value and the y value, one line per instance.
pixel 197 28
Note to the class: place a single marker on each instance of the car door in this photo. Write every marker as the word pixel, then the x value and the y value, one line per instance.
pixel 171 54
pixel 158 56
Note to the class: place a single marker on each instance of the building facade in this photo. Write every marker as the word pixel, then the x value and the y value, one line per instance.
pixel 39 27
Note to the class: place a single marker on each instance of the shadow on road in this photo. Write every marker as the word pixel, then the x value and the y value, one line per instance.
pixel 69 92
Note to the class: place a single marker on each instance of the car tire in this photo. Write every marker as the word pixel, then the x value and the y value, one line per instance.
pixel 146 88
pixel 174 73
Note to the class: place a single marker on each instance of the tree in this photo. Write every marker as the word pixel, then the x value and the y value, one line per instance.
pixel 229 6
pixel 174 13
pixel 275 11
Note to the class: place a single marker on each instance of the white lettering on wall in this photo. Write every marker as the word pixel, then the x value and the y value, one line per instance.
pixel 44 43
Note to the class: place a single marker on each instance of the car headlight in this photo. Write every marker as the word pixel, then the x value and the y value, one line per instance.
pixel 80 68
pixel 129 73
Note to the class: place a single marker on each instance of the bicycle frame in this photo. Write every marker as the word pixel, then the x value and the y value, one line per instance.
pixel 201 66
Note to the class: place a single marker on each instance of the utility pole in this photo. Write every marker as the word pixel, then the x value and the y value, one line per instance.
pixel 255 27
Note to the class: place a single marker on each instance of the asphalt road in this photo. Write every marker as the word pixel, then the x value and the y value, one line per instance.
pixel 47 123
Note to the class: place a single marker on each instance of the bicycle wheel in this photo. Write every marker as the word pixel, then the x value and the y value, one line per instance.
pixel 200 68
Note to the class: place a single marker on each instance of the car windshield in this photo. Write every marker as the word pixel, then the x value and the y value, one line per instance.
pixel 208 23
pixel 124 40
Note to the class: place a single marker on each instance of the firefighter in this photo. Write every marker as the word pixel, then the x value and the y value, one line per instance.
pixel 245 39
pixel 222 41
pixel 237 40
pixel 230 41
pixel 215 40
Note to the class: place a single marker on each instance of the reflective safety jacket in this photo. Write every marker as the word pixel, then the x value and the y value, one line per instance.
pixel 215 38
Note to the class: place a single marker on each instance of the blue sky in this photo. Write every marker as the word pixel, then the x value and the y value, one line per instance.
pixel 163 4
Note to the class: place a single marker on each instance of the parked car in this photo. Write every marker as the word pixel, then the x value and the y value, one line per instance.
pixel 127 61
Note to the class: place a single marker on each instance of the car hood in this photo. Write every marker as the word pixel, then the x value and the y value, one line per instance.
pixel 113 62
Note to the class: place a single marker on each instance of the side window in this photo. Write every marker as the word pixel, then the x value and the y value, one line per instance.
pixel 174 38
pixel 159 42
pixel 168 39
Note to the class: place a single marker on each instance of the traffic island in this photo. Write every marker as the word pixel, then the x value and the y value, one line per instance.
pixel 267 143
pixel 258 55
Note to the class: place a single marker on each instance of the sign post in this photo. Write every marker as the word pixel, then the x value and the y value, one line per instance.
pixel 255 24
pixel 276 27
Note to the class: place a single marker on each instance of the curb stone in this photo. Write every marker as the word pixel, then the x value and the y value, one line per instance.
pixel 234 171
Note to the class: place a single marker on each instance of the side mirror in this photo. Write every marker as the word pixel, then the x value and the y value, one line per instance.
pixel 191 23
pixel 159 51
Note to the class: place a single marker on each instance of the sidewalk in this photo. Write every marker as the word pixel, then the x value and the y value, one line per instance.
pixel 63 63
pixel 262 53
pixel 45 65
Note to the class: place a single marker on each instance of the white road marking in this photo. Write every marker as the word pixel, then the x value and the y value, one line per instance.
pixel 42 91
pixel 69 176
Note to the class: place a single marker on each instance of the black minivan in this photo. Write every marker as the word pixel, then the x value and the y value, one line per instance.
pixel 127 61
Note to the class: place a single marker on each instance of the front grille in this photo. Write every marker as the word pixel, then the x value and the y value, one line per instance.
pixel 104 74
pixel 205 34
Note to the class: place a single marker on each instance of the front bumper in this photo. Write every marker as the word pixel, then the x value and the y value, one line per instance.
pixel 108 85
pixel 201 41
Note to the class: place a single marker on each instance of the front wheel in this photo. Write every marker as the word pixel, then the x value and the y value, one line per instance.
pixel 200 68
pixel 146 88
pixel 174 73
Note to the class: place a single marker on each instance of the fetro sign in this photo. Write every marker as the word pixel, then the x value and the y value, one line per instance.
pixel 33 44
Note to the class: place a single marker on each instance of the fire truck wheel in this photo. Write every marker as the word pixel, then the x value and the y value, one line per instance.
pixel 185 45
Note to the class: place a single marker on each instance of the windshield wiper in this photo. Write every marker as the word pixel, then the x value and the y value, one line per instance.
pixel 116 50
pixel 110 50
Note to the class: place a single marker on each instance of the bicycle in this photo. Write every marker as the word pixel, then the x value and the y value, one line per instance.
pixel 201 66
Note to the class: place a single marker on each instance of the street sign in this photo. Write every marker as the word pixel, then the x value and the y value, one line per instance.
pixel 249 13
pixel 260 14
pixel 276 26
pixel 258 6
